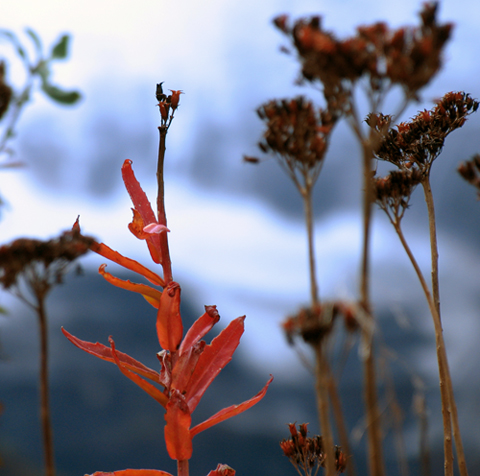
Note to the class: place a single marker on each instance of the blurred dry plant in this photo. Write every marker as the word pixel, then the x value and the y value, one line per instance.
pixel 376 60
pixel 37 68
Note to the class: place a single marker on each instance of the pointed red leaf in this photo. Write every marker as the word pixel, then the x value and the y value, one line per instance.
pixel 213 360
pixel 169 321
pixel 199 328
pixel 142 205
pixel 222 470
pixel 185 366
pixel 177 429
pixel 136 227
pixel 151 295
pixel 229 412
pixel 153 391
pixel 107 252
pixel 133 472
pixel 105 353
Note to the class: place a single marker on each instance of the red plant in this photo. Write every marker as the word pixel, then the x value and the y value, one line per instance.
pixel 188 365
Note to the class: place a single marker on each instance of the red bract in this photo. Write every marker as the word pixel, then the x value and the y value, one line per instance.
pixel 188 365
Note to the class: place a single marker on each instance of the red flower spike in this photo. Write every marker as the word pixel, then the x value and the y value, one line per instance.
pixel 169 321
pixel 231 411
pixel 151 295
pixel 154 392
pixel 143 207
pixel 213 360
pixel 222 470
pixel 133 472
pixel 105 353
pixel 199 328
pixel 105 251
pixel 177 429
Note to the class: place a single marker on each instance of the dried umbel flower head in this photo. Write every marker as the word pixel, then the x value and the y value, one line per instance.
pixel 25 255
pixel 307 453
pixel 408 56
pixel 313 324
pixel 393 191
pixel 470 171
pixel 297 133
pixel 418 143
pixel 5 91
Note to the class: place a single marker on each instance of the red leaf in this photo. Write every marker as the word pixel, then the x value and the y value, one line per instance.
pixel 107 252
pixel 105 353
pixel 169 321
pixel 153 391
pixel 177 429
pixel 229 412
pixel 199 328
pixel 142 205
pixel 222 470
pixel 151 295
pixel 213 360
pixel 133 472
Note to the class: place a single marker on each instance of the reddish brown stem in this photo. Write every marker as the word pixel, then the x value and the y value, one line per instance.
pixel 182 468
pixel 307 201
pixel 44 392
pixel 162 218
pixel 374 434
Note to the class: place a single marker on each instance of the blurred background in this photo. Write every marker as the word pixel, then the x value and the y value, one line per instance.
pixel 237 234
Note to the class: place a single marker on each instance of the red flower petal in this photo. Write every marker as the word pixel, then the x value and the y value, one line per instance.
pixel 142 205
pixel 153 391
pixel 229 412
pixel 105 353
pixel 169 321
pixel 199 328
pixel 213 360
pixel 151 295
pixel 136 227
pixel 107 252
pixel 177 429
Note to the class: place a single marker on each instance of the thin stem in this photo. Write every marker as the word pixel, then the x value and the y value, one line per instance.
pixel 321 390
pixel 441 348
pixel 44 393
pixel 162 218
pixel 307 201
pixel 374 433
pixel 441 358
pixel 182 468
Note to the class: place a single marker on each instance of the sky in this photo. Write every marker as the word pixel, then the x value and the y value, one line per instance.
pixel 230 244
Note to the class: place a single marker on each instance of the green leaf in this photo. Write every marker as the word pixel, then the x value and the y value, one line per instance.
pixel 35 39
pixel 59 95
pixel 60 50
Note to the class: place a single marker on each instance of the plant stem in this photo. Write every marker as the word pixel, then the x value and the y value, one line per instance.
pixel 374 434
pixel 44 393
pixel 321 390
pixel 441 348
pixel 162 218
pixel 307 202
pixel 182 468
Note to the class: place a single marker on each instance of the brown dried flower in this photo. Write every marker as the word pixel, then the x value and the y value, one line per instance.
pixel 307 453
pixel 470 171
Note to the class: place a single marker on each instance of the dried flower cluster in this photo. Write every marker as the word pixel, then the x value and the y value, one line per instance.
pixel 297 133
pixel 308 453
pixel 417 143
pixel 407 56
pixel 470 171
pixel 24 254
pixel 393 191
pixel 5 91
pixel 314 323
